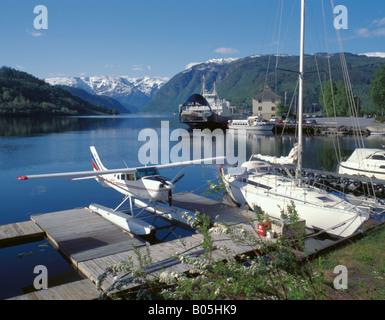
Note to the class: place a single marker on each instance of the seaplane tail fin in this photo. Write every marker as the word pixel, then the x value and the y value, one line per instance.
pixel 96 163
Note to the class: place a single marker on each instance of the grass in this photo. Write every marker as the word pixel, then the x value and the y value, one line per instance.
pixel 365 263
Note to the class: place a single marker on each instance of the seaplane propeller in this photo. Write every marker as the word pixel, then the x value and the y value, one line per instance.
pixel 169 184
pixel 177 179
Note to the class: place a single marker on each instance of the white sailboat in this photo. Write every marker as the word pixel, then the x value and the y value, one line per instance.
pixel 256 184
pixel 365 162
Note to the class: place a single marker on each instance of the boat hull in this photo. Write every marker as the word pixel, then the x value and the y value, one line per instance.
pixel 213 121
pixel 336 221
pixel 267 127
pixel 349 169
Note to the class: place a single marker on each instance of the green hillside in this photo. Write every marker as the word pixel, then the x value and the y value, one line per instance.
pixel 242 79
pixel 21 94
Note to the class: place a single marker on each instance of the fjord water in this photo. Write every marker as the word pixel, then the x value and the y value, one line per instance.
pixel 36 146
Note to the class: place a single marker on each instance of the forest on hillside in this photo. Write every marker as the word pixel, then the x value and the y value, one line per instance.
pixel 22 94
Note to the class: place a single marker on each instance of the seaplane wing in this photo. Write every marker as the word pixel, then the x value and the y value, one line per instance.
pixel 76 174
pixel 100 170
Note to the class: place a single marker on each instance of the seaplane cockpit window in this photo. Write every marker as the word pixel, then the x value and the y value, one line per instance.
pixel 144 172
pixel 127 177
pixel 130 177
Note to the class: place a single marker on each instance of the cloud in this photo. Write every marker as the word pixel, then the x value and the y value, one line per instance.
pixel 366 33
pixel 137 67
pixel 379 22
pixel 34 33
pixel 372 32
pixel 18 66
pixel 149 68
pixel 108 65
pixel 226 50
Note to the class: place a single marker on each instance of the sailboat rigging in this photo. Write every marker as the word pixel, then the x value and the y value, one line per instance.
pixel 256 184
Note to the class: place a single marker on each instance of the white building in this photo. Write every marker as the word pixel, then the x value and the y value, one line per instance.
pixel 265 103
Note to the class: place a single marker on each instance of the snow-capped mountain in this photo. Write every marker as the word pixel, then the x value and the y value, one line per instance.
pixel 221 61
pixel 374 54
pixel 131 92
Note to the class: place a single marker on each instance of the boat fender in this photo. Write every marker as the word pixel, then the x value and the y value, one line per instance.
pixel 357 184
pixel 266 224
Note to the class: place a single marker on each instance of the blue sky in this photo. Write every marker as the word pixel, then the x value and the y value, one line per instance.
pixel 160 37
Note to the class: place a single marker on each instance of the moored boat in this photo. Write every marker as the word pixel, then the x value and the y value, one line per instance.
pixel 365 162
pixel 255 123
pixel 205 110
pixel 257 185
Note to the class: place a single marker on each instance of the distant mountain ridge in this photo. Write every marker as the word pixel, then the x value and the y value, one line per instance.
pixel 132 93
pixel 239 80
pixel 108 102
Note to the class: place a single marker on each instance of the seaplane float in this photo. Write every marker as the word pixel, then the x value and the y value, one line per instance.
pixel 143 187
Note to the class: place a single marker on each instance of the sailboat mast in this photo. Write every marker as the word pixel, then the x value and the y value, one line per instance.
pixel 300 96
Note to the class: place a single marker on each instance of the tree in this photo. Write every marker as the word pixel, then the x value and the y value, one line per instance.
pixel 282 109
pixel 341 100
pixel 326 98
pixel 377 89
pixel 333 99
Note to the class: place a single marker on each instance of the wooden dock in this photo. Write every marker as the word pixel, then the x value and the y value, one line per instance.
pixel 14 233
pixel 319 129
pixel 81 235
pixel 92 243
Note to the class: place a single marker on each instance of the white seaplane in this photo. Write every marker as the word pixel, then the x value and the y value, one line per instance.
pixel 136 184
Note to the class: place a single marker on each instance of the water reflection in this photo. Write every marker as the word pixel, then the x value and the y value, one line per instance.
pixel 19 126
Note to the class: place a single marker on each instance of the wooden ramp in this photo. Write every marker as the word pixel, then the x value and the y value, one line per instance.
pixel 82 235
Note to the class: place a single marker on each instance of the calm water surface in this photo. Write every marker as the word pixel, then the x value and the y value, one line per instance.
pixel 32 146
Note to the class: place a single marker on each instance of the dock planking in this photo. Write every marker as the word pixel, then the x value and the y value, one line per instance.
pixel 82 235
pixel 16 233
pixel 218 212
pixel 77 290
